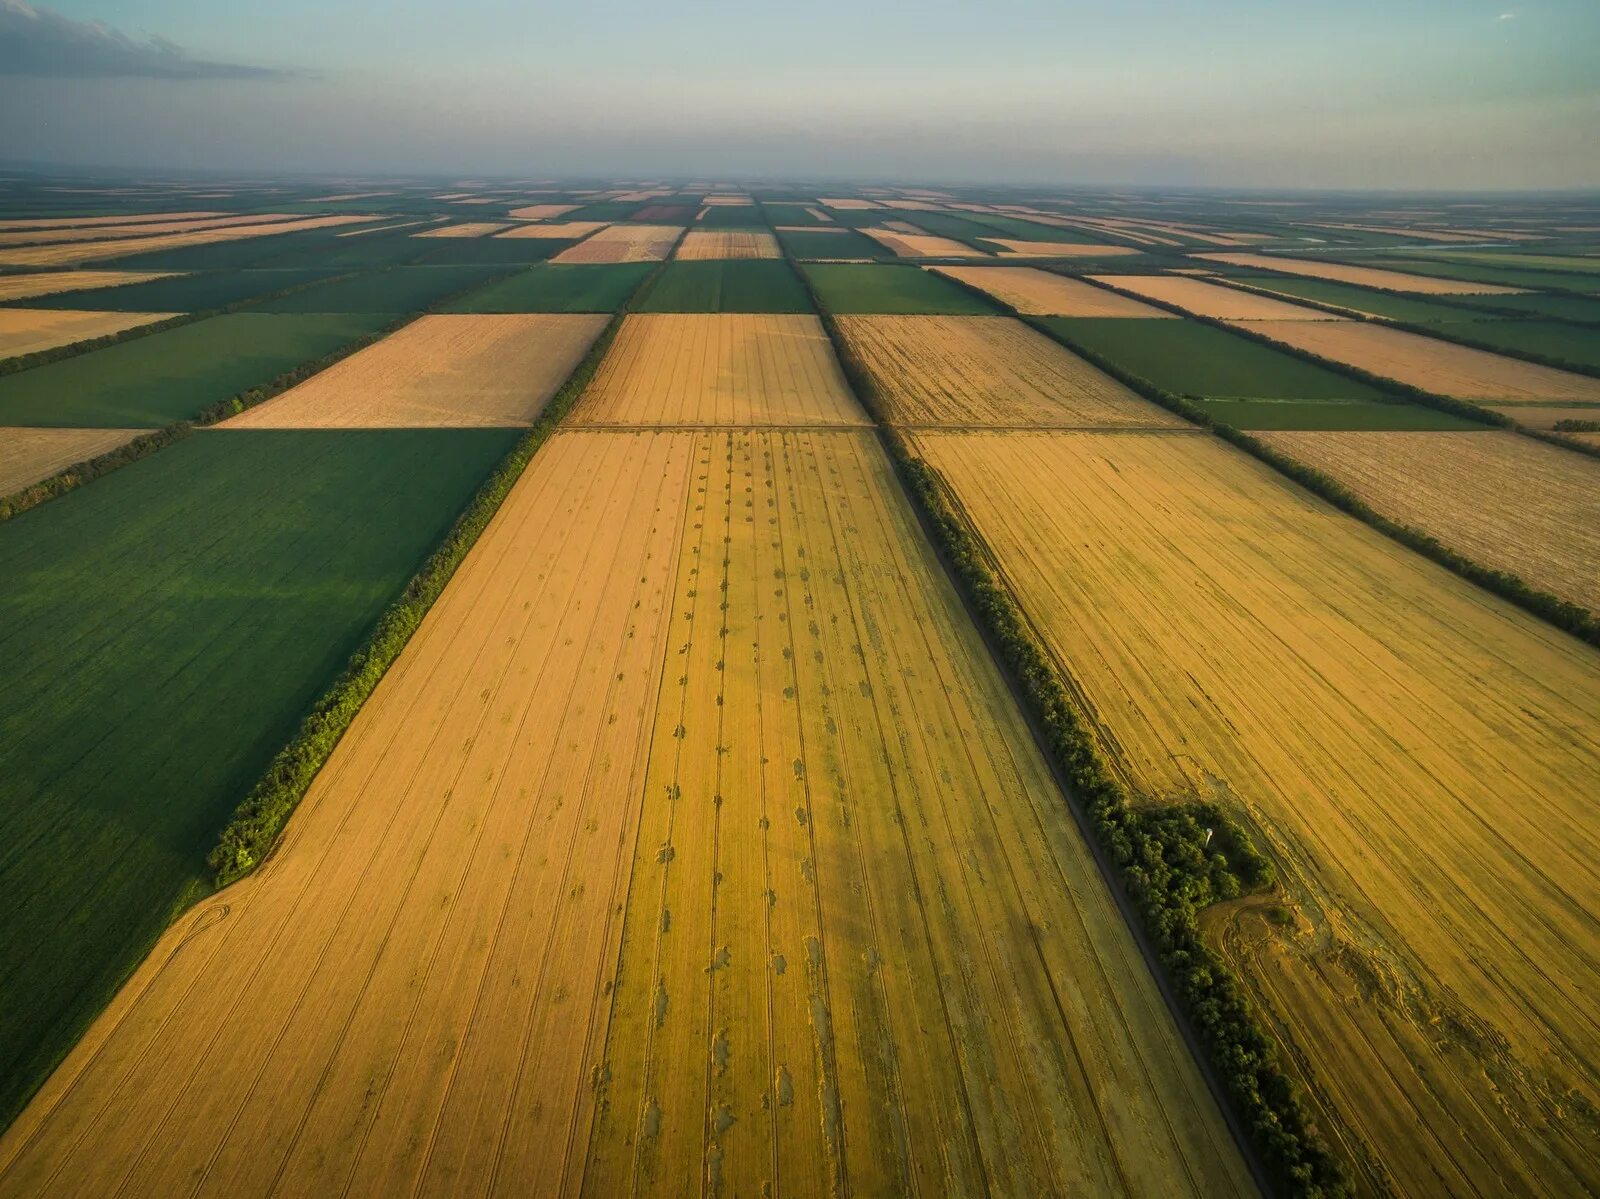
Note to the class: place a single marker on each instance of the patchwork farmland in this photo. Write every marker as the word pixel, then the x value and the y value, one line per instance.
pixel 658 687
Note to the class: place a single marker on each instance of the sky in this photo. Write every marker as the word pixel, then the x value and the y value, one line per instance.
pixel 1391 94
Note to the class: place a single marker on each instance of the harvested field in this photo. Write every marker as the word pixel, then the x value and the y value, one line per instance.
pixel 717 201
pixel 464 229
pixel 123 247
pixel 1505 501
pixel 1363 276
pixel 1041 293
pixel 848 203
pixel 556 230
pixel 672 369
pixel 727 243
pixel 1213 300
pixel 624 243
pixel 1545 416
pixel 77 222
pixel 34 237
pixel 657 838
pixel 28 330
pixel 541 212
pixel 1428 363
pixel 50 283
pixel 915 245
pixel 1059 249
pixel 1419 757
pixel 989 371
pixel 439 372
pixel 28 455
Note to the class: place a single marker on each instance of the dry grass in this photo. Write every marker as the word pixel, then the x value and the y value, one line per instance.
pixel 464 229
pixel 700 244
pixel 989 371
pixel 1420 758
pixel 624 243
pixel 26 330
pixel 1213 300
pixel 49 283
pixel 1040 293
pixel 693 369
pixel 28 455
pixel 1433 365
pixel 1366 276
pixel 443 370
pixel 80 252
pixel 542 212
pixel 920 245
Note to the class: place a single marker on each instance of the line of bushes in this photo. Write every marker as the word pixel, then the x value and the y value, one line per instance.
pixel 79 473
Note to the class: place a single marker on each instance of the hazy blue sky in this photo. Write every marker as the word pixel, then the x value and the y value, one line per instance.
pixel 1385 93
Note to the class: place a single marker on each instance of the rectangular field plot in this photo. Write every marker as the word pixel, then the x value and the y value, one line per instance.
pixel 624 243
pixel 439 371
pixel 892 291
pixel 161 634
pixel 1013 248
pixel 726 243
pixel 31 287
pixel 1508 502
pixel 1556 340
pixel 183 293
pixel 1042 293
pixel 1419 757
pixel 173 374
pixel 673 828
pixel 679 369
pixel 990 371
pixel 1213 299
pixel 28 455
pixel 921 245
pixel 29 330
pixel 1535 415
pixel 1379 303
pixel 1536 304
pixel 396 290
pixel 560 230
pixel 128 247
pixel 824 245
pixel 732 286
pixel 1361 276
pixel 1335 414
pixel 556 287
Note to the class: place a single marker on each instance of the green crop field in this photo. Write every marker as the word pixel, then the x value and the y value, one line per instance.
pixel 1564 263
pixel 792 214
pixel 1558 340
pixel 557 287
pixel 1025 230
pixel 309 248
pixel 161 634
pixel 182 293
pixel 731 216
pixel 1333 414
pixel 860 288
pixel 172 375
pixel 398 289
pixel 727 285
pixel 1558 305
pixel 1195 359
pixel 830 243
pixel 1366 299
pixel 605 210
pixel 503 251
pixel 1474 273
pixel 363 250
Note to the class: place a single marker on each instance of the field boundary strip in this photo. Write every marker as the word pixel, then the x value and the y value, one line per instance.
pixel 1564 615
pixel 1236 1056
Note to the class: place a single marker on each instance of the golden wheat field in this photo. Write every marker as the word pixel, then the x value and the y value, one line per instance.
pixel 1536 415
pixel 988 371
pixel 1059 249
pixel 1213 299
pixel 49 283
pixel 719 369
pixel 1506 501
pixel 908 242
pixel 1365 276
pixel 700 244
pixel 89 222
pixel 541 212
pixel 558 230
pixel 28 455
pixel 1445 367
pixel 1040 293
pixel 636 875
pixel 28 330
pixel 464 229
pixel 440 370
pixel 58 255
pixel 624 243
pixel 1420 757
pixel 103 232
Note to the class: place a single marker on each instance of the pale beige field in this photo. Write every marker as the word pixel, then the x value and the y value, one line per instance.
pixel 49 283
pixel 554 229
pixel 624 243
pixel 1429 363
pixel 699 244
pixel 542 212
pixel 989 371
pixel 464 229
pixel 635 875
pixel 28 455
pixel 822 214
pixel 1059 249
pixel 670 369
pixel 1040 293
pixel 728 201
pixel 443 370
pixel 84 251
pixel 28 330
pixel 1214 300
pixel 1505 501
pixel 1366 276
pixel 371 229
pixel 76 222
pixel 920 245
pixel 848 204
pixel 1420 759
pixel 32 237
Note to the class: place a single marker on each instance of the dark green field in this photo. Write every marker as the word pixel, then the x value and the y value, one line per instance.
pixel 730 216
pixel 1557 340
pixel 183 293
pixel 1508 276
pixel 365 250
pixel 161 634
pixel 1332 414
pixel 960 228
pixel 152 381
pixel 830 243
pixel 892 290
pixel 310 248
pixel 606 210
pixel 557 287
pixel 1020 229
pixel 1193 359
pixel 792 214
pixel 396 290
pixel 736 285
pixel 1563 307
pixel 1365 299
pixel 503 251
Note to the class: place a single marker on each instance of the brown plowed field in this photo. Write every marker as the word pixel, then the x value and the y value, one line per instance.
pixel 727 243
pixel 1421 759
pixel 442 370
pixel 1429 363
pixel 120 247
pixel 694 369
pixel 1214 300
pixel 1365 276
pixel 28 455
pixel 988 370
pixel 1505 501
pixel 49 283
pixel 27 330
pixel 624 243
pixel 692 846
pixel 1040 293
